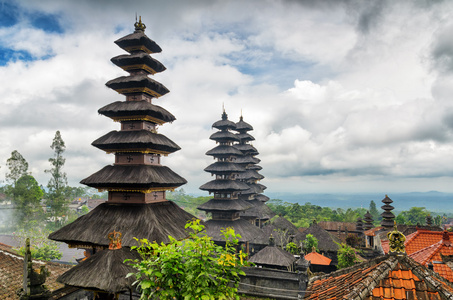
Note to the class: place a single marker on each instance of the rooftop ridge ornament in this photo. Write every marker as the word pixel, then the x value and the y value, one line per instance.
pixel 139 26
pixel 115 240
pixel 396 241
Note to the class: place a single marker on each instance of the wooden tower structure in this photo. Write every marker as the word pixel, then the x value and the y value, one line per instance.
pixel 136 182
pixel 388 217
pixel 226 205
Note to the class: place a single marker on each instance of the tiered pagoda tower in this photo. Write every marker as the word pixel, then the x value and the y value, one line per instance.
pixel 226 205
pixel 387 216
pixel 368 218
pixel 258 213
pixel 136 182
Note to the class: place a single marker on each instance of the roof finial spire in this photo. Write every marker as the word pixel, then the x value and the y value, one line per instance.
pixel 139 26
pixel 224 114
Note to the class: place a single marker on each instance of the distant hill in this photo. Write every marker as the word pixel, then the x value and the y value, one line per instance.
pixel 433 201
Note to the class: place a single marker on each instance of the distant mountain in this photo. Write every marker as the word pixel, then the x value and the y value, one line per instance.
pixel 433 200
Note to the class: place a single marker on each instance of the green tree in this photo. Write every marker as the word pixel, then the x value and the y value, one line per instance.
pixel 374 211
pixel 194 268
pixel 292 248
pixel 346 256
pixel 58 181
pixel 416 215
pixel 310 243
pixel 18 167
pixel 27 201
pixel 40 246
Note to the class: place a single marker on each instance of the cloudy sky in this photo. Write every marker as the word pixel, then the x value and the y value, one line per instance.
pixel 344 96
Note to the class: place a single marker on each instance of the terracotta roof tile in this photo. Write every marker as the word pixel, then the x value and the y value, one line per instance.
pixel 318 259
pixel 11 273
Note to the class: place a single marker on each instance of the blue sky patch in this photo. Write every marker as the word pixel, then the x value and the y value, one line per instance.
pixel 9 13
pixel 7 55
pixel 46 22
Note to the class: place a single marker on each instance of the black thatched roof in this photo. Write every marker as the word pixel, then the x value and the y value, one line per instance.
pixel 254 167
pixel 248 231
pixel 140 83
pixel 246 149
pixel 246 159
pixel 224 167
pixel 250 174
pixel 245 137
pixel 138 41
pixel 243 126
pixel 105 271
pixel 223 151
pixel 262 198
pixel 280 223
pixel 224 136
pixel 224 185
pixel 273 256
pixel 326 241
pixel 224 124
pixel 136 109
pixel 258 210
pixel 134 177
pixel 153 221
pixel 138 61
pixel 254 188
pixel 139 140
pixel 225 205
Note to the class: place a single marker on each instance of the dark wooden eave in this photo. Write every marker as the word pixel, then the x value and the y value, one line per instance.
pixel 138 41
pixel 143 177
pixel 138 61
pixel 224 185
pixel 225 205
pixel 140 110
pixel 140 83
pixel 138 141
pixel 153 221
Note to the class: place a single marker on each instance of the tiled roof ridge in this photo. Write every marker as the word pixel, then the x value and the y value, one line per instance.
pixel 366 286
pixel 343 271
pixel 432 250
pixel 429 276
pixel 411 236
pixel 38 261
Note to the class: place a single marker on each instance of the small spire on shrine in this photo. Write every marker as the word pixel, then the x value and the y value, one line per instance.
pixel 139 26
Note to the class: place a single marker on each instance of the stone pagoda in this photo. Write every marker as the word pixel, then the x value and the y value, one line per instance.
pixel 136 182
pixel 259 213
pixel 226 205
pixel 388 217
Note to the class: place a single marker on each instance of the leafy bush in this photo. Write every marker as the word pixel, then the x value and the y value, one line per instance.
pixel 40 246
pixel 292 248
pixel 194 268
pixel 310 243
pixel 346 256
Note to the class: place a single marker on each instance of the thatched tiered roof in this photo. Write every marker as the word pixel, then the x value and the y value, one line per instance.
pixel 224 185
pixel 224 205
pixel 247 231
pixel 326 241
pixel 136 110
pixel 105 271
pixel 222 136
pixel 139 83
pixel 138 61
pixel 138 41
pixel 223 151
pixel 135 141
pixel 258 210
pixel 273 256
pixel 224 167
pixel 134 176
pixel 154 221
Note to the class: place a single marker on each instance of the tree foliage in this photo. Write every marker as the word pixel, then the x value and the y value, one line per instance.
pixel 17 166
pixel 292 248
pixel 346 256
pixel 414 216
pixel 27 201
pixel 40 246
pixel 194 268
pixel 58 181
pixel 310 243
pixel 375 213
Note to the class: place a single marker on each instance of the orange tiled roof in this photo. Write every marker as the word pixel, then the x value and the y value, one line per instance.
pixel 317 259
pixel 423 238
pixel 372 231
pixel 385 278
pixel 11 273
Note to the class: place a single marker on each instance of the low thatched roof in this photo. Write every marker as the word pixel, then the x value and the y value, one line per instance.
pixel 224 167
pixel 136 109
pixel 138 61
pixel 153 221
pixel 254 188
pixel 326 241
pixel 105 271
pixel 245 137
pixel 248 231
pixel 224 185
pixel 140 140
pixel 262 198
pixel 258 210
pixel 246 149
pixel 223 151
pixel 134 176
pixel 273 256
pixel 280 223
pixel 246 159
pixel 134 41
pixel 223 136
pixel 139 83
pixel 242 126
pixel 225 205
pixel 250 174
